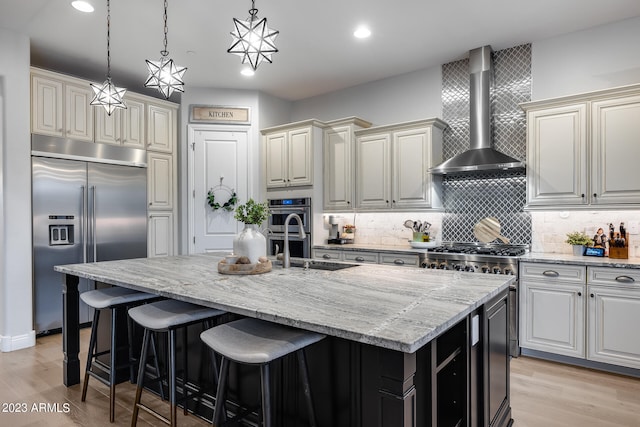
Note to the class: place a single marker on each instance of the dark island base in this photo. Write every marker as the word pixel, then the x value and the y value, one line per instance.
pixel 459 379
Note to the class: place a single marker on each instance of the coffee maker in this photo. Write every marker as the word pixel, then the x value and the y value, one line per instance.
pixel 335 231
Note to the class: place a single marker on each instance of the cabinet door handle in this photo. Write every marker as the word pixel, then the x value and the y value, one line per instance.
pixel 592 295
pixel 550 273
pixel 398 261
pixel 326 256
pixel 625 279
pixel 359 258
pixel 579 294
pixel 595 195
pixel 582 195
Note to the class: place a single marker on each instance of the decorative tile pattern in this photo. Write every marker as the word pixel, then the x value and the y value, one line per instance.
pixel 470 197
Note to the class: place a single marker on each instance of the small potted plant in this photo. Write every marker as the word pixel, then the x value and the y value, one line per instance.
pixel 250 242
pixel 578 240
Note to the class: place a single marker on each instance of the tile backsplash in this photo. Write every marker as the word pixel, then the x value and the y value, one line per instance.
pixel 386 228
pixel 550 228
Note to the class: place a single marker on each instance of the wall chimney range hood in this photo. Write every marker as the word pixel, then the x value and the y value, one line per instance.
pixel 481 155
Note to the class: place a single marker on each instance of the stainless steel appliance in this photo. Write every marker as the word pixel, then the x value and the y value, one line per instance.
pixel 85 209
pixel 279 210
pixel 484 259
pixel 481 155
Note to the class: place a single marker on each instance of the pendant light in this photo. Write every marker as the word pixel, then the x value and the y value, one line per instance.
pixel 164 74
pixel 253 41
pixel 108 95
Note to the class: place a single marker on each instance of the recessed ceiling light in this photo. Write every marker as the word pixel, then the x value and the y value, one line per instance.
pixel 362 32
pixel 247 71
pixel 82 6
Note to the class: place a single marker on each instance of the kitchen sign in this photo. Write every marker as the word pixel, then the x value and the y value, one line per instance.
pixel 217 114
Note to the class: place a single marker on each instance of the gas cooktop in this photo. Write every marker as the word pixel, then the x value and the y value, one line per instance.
pixel 495 249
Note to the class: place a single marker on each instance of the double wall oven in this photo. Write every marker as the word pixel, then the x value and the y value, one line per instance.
pixel 280 209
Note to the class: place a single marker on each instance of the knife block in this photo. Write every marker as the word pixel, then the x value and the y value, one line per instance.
pixel 620 252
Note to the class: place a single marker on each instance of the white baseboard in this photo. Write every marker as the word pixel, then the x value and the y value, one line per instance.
pixel 18 342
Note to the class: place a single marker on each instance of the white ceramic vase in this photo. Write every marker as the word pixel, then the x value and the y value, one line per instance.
pixel 250 242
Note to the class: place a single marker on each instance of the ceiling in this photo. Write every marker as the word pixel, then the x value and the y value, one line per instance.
pixel 317 51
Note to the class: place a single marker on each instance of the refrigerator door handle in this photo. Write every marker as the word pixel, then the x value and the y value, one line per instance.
pixel 83 224
pixel 93 225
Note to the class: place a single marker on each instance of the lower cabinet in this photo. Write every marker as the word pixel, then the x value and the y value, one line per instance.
pixel 552 317
pixel 613 318
pixel 369 256
pixel 583 312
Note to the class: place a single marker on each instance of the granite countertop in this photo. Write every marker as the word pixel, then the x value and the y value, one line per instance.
pixel 391 307
pixel 581 260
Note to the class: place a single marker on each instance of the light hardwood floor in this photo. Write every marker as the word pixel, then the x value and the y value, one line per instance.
pixel 543 394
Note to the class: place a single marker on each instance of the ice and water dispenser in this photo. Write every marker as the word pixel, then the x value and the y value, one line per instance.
pixel 61 234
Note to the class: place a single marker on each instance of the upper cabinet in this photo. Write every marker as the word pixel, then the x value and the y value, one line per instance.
pixel 124 127
pixel 582 150
pixel 338 163
pixel 392 164
pixel 61 106
pixel 289 153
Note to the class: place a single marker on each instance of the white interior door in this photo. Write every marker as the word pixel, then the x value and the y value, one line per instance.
pixel 219 162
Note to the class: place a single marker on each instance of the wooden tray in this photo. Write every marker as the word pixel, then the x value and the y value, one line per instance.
pixel 259 268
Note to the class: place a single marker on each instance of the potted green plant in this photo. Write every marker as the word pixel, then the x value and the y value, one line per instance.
pixel 578 240
pixel 250 242
pixel 252 212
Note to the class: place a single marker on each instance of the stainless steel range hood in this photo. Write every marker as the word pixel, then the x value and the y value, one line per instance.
pixel 481 155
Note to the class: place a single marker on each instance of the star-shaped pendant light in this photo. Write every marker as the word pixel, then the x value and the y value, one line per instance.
pixel 108 95
pixel 164 74
pixel 253 40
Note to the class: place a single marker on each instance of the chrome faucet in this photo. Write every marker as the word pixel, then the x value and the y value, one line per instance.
pixel 286 258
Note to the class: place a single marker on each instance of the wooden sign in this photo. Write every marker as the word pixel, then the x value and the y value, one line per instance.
pixel 213 114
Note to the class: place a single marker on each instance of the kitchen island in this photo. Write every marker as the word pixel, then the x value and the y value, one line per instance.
pixel 407 347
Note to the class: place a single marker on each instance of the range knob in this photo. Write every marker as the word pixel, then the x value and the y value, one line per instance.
pixel 497 270
pixel 443 266
pixel 469 268
pixel 508 271
pixel 457 267
pixel 485 269
pixel 424 265
pixel 433 265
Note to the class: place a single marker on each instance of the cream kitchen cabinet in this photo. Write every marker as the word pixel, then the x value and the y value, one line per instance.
pixel 161 126
pixel 582 150
pixel 289 153
pixel 552 308
pixel 160 239
pixel 124 127
pixel 613 315
pixel 581 311
pixel 338 160
pixel 160 181
pixel 60 106
pixel 392 165
pixel 368 256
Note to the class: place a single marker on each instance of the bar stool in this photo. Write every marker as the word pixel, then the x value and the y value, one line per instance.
pixel 113 298
pixel 257 342
pixel 167 316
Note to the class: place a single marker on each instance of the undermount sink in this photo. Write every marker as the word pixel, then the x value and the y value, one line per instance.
pixel 320 265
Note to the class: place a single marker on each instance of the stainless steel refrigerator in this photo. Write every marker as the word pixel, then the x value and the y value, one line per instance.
pixel 89 204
